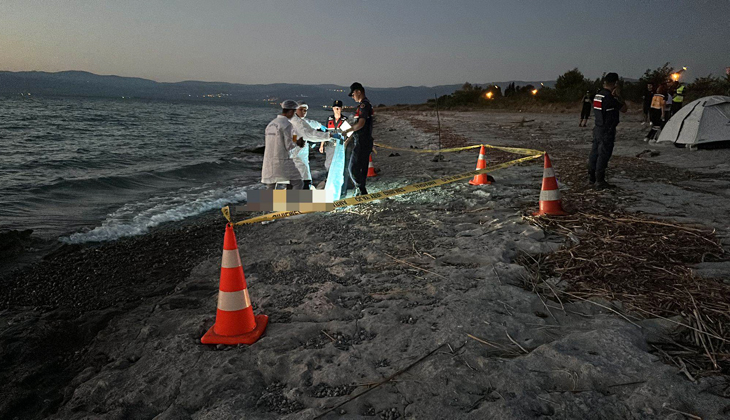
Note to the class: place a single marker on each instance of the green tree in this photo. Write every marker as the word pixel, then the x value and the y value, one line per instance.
pixel 657 76
pixel 571 79
pixel 707 86
pixel 572 85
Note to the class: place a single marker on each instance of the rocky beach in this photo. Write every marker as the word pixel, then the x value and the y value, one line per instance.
pixel 423 305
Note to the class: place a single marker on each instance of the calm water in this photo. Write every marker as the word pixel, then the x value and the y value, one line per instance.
pixel 98 169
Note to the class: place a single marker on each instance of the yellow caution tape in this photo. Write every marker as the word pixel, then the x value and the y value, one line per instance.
pixel 453 149
pixel 515 150
pixel 386 193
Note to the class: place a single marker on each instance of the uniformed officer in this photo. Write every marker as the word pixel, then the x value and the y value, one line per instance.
pixel 362 129
pixel 606 107
pixel 334 122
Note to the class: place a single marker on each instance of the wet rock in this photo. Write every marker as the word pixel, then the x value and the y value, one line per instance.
pixel 13 243
pixel 324 390
pixel 274 400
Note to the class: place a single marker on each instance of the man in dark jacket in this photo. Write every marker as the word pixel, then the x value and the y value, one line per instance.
pixel 362 129
pixel 606 107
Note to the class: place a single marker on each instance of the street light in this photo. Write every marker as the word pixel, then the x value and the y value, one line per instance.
pixel 489 95
pixel 534 91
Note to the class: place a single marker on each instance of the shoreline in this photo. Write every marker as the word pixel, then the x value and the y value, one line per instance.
pixel 354 296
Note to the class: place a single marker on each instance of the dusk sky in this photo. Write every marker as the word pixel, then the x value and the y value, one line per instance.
pixel 381 43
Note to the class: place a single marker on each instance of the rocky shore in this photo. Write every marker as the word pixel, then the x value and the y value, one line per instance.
pixel 408 307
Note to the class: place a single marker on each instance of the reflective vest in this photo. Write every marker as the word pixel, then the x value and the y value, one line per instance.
pixel 331 122
pixel 679 97
pixel 657 102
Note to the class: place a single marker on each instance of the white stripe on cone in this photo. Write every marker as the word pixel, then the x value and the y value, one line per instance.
pixel 231 258
pixel 549 195
pixel 233 301
pixel 548 173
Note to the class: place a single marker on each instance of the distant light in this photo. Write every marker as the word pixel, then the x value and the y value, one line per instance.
pixel 675 76
pixel 542 84
pixel 489 95
pixel 534 91
pixel 684 68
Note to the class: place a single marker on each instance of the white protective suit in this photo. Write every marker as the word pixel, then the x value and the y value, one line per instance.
pixel 278 159
pixel 305 129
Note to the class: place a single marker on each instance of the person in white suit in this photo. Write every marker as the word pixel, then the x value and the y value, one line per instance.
pixel 309 130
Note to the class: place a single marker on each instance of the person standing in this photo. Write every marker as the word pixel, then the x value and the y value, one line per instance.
pixel 334 122
pixel 585 112
pixel 667 108
pixel 306 130
pixel 648 96
pixel 678 99
pixel 606 107
pixel 656 113
pixel 362 129
pixel 278 166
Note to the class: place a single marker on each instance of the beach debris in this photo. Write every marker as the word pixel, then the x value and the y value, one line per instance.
pixel 643 262
pixel 550 202
pixel 378 384
pixel 235 322
pixel 648 153
pixel 481 179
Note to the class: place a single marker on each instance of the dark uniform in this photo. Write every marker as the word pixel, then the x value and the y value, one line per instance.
pixel 606 110
pixel 363 142
pixel 329 148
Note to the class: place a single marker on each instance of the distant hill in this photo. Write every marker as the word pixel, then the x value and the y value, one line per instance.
pixel 85 84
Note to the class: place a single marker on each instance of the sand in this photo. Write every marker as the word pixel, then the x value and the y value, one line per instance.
pixel 357 296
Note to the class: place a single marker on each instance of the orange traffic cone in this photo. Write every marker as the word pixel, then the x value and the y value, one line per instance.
pixel 481 179
pixel 234 319
pixel 371 168
pixel 550 202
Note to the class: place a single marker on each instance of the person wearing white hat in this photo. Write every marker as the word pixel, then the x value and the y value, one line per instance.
pixel 308 130
pixel 278 166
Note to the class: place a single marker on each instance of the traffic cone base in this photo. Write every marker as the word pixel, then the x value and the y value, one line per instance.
pixel 550 202
pixel 550 208
pixel 235 322
pixel 481 179
pixel 248 338
pixel 371 168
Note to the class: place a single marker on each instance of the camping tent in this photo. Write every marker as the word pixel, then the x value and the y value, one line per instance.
pixel 705 120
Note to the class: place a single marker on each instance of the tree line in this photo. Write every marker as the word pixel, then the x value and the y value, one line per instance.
pixel 572 85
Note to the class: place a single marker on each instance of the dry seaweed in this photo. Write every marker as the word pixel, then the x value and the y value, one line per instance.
pixel 644 263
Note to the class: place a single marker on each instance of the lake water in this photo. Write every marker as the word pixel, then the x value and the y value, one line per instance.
pixel 98 169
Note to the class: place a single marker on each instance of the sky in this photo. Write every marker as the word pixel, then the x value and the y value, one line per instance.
pixel 381 43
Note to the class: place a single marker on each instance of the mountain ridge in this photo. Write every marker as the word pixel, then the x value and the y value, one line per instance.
pixel 79 83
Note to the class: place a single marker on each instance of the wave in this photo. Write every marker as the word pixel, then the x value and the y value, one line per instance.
pixel 141 179
pixel 138 218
